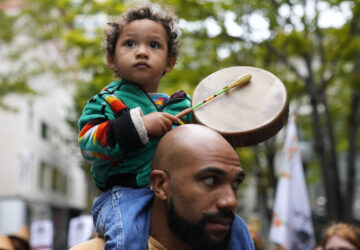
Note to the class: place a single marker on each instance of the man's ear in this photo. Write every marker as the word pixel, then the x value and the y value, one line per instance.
pixel 159 181
pixel 170 64
pixel 110 62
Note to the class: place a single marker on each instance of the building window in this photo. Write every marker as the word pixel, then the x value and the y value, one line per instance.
pixel 41 180
pixel 50 178
pixel 58 181
pixel 44 130
pixel 54 179
pixel 62 183
pixel 30 114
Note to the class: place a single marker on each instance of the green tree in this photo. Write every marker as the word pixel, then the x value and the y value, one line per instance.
pixel 10 81
pixel 318 64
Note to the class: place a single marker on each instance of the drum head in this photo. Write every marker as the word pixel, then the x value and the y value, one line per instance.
pixel 247 115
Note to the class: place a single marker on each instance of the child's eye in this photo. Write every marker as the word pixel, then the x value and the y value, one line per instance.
pixel 154 45
pixel 130 43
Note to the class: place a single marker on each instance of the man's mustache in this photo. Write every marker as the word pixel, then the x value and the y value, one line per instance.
pixel 222 214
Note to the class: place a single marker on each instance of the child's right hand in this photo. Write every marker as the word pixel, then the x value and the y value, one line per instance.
pixel 157 123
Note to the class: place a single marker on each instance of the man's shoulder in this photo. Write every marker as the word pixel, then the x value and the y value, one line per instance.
pixel 153 244
pixel 240 235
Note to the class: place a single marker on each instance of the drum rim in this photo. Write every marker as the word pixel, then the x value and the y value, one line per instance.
pixel 251 136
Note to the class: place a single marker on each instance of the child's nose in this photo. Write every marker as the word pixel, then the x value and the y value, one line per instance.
pixel 142 52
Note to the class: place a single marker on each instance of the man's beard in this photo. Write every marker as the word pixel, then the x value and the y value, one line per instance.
pixel 194 234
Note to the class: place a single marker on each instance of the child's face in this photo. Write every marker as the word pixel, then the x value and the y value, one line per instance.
pixel 141 54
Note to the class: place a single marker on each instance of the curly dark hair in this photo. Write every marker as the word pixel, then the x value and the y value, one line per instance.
pixel 166 18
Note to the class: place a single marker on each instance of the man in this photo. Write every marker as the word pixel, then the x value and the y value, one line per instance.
pixel 195 177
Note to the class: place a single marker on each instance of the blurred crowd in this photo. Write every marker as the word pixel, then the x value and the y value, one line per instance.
pixel 339 236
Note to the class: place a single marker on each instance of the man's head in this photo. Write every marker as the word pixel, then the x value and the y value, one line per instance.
pixel 142 35
pixel 195 177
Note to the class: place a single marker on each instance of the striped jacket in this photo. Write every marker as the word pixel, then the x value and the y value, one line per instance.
pixel 108 137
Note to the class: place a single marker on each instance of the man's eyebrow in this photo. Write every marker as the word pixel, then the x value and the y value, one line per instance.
pixel 214 170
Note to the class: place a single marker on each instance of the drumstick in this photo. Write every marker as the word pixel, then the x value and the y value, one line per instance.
pixel 239 82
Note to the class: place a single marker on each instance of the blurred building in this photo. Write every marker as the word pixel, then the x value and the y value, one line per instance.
pixel 40 173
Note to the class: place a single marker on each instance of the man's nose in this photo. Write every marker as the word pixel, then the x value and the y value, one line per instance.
pixel 227 199
pixel 142 51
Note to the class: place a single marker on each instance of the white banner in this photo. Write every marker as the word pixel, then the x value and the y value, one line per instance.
pixel 80 229
pixel 42 235
pixel 292 224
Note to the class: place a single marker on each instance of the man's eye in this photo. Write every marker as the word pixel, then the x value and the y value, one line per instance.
pixel 210 181
pixel 154 45
pixel 235 184
pixel 130 43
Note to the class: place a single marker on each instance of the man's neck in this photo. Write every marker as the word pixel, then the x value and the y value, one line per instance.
pixel 160 230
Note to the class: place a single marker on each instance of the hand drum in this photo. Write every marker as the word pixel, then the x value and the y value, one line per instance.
pixel 247 115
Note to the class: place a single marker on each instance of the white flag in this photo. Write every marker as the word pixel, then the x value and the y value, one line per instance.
pixel 291 224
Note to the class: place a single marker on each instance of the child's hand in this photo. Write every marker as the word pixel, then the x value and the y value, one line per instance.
pixel 157 123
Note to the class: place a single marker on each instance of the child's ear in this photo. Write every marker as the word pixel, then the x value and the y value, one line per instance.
pixel 170 64
pixel 110 62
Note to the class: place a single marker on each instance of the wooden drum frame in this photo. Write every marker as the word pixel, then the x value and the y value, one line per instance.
pixel 247 115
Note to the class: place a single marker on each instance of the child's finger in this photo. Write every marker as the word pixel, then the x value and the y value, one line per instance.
pixel 171 117
pixel 184 112
pixel 165 125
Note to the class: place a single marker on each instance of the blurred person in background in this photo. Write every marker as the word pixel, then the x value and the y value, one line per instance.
pixel 18 240
pixel 341 236
pixel 5 243
pixel 254 228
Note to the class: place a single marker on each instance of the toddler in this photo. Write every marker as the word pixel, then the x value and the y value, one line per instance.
pixel 121 126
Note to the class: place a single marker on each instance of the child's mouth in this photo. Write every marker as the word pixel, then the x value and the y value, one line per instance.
pixel 142 65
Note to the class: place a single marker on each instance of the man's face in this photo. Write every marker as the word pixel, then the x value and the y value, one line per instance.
pixel 194 234
pixel 203 196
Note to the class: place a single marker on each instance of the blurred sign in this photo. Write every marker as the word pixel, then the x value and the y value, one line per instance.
pixel 41 235
pixel 80 229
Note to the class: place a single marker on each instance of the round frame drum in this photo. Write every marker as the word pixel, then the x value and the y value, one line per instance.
pixel 247 115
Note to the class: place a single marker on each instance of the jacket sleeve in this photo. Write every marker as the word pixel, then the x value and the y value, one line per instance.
pixel 107 130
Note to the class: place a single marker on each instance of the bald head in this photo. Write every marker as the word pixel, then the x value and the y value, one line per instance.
pixel 195 176
pixel 187 142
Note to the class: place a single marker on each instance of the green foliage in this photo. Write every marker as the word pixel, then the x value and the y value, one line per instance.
pixel 18 86
pixel 6 35
pixel 296 49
